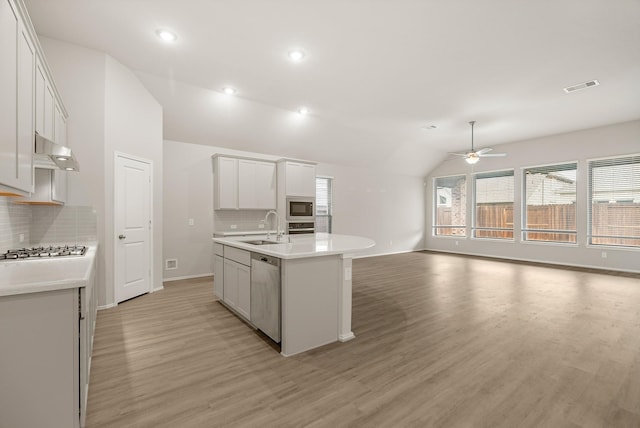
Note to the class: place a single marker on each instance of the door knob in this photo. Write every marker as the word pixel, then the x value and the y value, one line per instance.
pixel 122 236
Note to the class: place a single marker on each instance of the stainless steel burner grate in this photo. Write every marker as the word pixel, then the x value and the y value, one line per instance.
pixel 44 252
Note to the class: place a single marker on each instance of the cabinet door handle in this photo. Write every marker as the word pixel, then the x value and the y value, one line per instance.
pixel 122 236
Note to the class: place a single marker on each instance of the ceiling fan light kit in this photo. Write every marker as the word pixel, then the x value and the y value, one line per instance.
pixel 472 157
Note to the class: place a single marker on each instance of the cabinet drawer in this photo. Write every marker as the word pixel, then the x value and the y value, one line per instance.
pixel 218 249
pixel 240 256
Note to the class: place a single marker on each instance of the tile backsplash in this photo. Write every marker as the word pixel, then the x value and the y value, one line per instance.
pixel 39 225
pixel 15 221
pixel 242 219
pixel 62 225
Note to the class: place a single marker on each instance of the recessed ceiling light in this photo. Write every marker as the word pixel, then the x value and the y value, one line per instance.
pixel 62 158
pixel 167 35
pixel 229 90
pixel 69 169
pixel 429 127
pixel 296 55
pixel 304 110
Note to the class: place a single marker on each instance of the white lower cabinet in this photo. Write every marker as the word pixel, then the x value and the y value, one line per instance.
pixel 46 340
pixel 218 276
pixel 236 284
pixel 244 291
pixel 237 287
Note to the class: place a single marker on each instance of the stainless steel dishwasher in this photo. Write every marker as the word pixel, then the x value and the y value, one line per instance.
pixel 265 294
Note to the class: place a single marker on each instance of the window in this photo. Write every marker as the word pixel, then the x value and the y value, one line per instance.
pixel 324 209
pixel 450 216
pixel 493 205
pixel 550 204
pixel 614 201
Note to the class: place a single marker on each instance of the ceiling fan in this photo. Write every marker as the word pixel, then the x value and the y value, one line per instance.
pixel 473 156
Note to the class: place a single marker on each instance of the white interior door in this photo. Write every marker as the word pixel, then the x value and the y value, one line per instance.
pixel 132 228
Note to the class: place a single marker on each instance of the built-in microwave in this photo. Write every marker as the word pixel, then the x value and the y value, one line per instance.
pixel 301 209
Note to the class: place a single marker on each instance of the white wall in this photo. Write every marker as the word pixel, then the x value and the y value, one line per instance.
pixel 133 125
pixel 79 74
pixel 388 208
pixel 580 146
pixel 109 110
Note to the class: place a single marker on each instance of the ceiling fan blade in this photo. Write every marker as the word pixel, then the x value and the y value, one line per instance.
pixel 464 155
pixel 492 155
pixel 483 151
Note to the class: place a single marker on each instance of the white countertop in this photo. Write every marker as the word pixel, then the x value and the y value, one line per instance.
pixel 32 276
pixel 302 246
pixel 242 232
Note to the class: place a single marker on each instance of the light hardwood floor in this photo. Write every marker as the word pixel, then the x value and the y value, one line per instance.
pixel 441 341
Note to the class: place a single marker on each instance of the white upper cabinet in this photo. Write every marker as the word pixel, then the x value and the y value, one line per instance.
pixel 246 184
pixel 29 103
pixel 26 68
pixel 59 125
pixel 17 62
pixel 40 89
pixel 8 89
pixel 226 183
pixel 300 179
pixel 266 185
pixel 51 123
pixel 59 186
pixel 48 112
pixel 256 184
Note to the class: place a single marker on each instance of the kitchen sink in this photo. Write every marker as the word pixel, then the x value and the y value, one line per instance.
pixel 260 242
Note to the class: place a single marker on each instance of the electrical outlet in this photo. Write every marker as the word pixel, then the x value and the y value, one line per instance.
pixel 191 222
pixel 457 243
pixel 261 226
pixel 21 237
pixel 233 226
pixel 604 254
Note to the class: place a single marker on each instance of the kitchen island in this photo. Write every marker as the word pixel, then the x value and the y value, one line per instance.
pixel 315 284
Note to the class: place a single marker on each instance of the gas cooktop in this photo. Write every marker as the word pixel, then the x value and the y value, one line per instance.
pixel 44 252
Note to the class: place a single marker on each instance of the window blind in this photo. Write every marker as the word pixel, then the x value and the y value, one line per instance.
pixel 550 203
pixel 614 201
pixel 450 202
pixel 324 208
pixel 493 205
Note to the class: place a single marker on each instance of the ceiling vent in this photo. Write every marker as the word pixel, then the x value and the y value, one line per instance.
pixel 580 86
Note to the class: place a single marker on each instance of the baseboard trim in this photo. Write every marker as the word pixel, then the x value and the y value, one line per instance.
pixel 180 278
pixel 346 337
pixel 574 266
pixel 364 256
pixel 110 305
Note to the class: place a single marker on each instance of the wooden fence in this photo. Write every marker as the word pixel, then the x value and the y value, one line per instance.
pixel 616 220
pixel 607 219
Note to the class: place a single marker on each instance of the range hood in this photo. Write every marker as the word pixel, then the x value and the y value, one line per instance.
pixel 50 155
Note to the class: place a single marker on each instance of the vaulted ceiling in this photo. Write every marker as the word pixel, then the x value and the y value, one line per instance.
pixel 374 74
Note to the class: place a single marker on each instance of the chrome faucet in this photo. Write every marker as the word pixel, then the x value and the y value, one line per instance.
pixel 279 234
